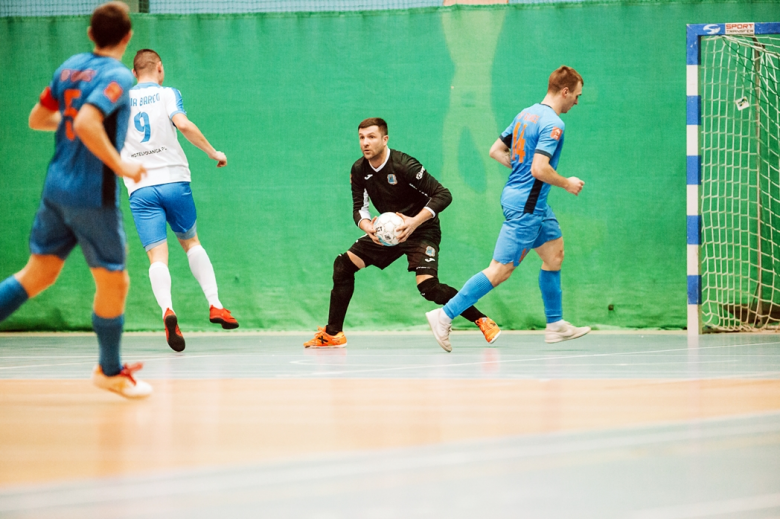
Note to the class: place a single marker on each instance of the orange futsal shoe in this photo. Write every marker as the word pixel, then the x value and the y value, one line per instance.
pixel 172 333
pixel 489 329
pixel 222 316
pixel 124 383
pixel 324 340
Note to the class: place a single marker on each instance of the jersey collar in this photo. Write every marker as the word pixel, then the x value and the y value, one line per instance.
pixel 383 164
pixel 146 85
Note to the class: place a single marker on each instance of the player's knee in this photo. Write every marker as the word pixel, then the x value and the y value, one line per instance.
pixel 344 270
pixel 121 283
pixel 37 277
pixel 497 273
pixel 556 261
pixel 47 279
pixel 435 291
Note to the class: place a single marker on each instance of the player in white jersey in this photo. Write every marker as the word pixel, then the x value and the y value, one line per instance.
pixel 164 195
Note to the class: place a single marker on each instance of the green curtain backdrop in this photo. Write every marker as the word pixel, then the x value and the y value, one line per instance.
pixel 282 95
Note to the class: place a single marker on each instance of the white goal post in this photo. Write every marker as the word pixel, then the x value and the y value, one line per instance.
pixel 733 177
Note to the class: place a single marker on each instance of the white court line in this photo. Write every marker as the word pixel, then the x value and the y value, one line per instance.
pixel 711 508
pixel 90 362
pixel 481 363
pixel 207 481
pixel 507 361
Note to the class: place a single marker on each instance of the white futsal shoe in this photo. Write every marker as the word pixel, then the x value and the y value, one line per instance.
pixel 563 331
pixel 124 383
pixel 441 331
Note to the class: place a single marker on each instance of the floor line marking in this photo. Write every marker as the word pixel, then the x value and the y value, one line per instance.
pixel 710 508
pixel 151 486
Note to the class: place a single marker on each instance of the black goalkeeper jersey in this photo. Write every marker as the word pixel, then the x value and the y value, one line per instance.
pixel 401 186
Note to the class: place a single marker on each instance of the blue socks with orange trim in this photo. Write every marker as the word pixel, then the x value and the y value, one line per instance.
pixel 474 290
pixel 12 296
pixel 109 334
pixel 550 285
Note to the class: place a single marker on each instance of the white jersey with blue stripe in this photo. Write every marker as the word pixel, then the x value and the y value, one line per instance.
pixel 152 138
pixel 537 129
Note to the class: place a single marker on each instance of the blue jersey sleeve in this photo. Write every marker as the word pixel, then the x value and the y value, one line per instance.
pixel 174 103
pixel 111 91
pixel 549 139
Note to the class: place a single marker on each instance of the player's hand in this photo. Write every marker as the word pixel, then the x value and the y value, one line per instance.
pixel 402 232
pixel 132 170
pixel 220 157
pixel 368 228
pixel 574 185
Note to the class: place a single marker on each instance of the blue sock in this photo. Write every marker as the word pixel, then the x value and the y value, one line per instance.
pixel 12 296
pixel 474 290
pixel 109 334
pixel 550 284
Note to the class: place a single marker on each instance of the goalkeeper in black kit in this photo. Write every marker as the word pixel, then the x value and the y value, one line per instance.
pixel 394 182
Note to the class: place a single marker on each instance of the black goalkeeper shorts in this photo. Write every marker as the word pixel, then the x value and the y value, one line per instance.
pixel 421 249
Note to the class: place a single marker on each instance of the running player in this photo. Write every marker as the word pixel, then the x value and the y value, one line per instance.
pixel 394 182
pixel 87 105
pixel 164 194
pixel 531 146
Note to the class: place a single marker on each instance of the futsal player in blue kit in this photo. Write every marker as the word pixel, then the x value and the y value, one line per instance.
pixel 87 105
pixel 164 194
pixel 531 147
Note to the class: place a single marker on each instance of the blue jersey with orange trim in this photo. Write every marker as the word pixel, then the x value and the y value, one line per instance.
pixel 537 129
pixel 75 176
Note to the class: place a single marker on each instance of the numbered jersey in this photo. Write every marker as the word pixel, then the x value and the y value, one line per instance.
pixel 152 137
pixel 76 177
pixel 537 129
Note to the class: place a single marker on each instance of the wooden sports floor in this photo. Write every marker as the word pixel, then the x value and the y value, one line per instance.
pixel 612 425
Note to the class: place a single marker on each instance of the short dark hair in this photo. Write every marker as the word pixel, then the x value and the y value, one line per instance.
pixel 145 59
pixel 374 121
pixel 110 23
pixel 563 77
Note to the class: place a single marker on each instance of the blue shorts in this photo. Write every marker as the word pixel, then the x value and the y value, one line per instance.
pixel 99 231
pixel 522 232
pixel 153 206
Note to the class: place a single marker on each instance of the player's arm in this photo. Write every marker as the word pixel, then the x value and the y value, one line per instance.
pixel 196 137
pixel 43 119
pixel 501 152
pixel 542 170
pixel 45 115
pixel 360 204
pixel 439 198
pixel 89 128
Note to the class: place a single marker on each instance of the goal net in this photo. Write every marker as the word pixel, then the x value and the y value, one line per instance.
pixel 740 182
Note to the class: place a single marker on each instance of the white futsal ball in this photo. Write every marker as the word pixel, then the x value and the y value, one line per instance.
pixel 385 226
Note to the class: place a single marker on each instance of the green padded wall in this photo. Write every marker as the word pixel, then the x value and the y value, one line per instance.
pixel 282 95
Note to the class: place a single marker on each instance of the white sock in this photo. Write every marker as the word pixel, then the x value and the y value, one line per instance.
pixel 444 318
pixel 201 268
pixel 160 277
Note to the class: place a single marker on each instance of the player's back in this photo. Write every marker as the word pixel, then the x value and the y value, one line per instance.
pixel 152 137
pixel 537 129
pixel 75 176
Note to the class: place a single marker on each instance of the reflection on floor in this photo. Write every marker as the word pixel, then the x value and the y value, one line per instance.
pixel 610 425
